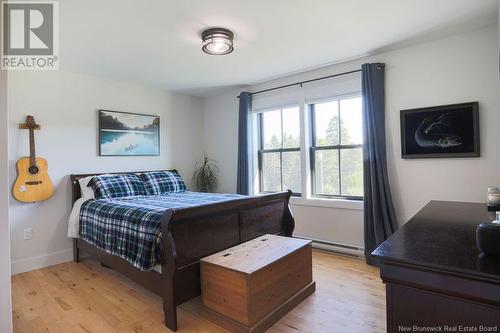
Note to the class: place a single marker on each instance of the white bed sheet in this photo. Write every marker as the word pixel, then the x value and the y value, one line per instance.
pixel 74 218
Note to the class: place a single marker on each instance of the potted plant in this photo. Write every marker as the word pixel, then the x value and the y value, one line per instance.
pixel 206 177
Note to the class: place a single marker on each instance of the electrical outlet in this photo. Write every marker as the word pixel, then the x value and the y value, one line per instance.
pixel 28 234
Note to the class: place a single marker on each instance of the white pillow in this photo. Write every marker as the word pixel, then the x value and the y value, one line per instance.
pixel 87 192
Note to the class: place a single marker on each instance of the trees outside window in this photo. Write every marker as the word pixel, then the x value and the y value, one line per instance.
pixel 336 153
pixel 337 148
pixel 279 152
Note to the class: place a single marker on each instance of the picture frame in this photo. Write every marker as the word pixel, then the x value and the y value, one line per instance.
pixel 443 131
pixel 128 134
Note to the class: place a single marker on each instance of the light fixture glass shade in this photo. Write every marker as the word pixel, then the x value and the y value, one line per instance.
pixel 217 41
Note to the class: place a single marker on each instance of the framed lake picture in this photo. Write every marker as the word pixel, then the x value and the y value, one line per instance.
pixel 128 134
pixel 440 131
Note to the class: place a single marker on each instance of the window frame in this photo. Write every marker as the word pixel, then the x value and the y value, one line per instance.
pixel 313 148
pixel 261 150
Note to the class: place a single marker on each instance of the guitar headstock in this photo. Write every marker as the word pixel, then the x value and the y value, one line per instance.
pixel 31 123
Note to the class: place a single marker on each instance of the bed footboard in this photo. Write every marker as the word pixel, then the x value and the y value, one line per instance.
pixel 193 233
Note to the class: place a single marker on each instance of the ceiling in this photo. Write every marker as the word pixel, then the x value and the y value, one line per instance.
pixel 158 43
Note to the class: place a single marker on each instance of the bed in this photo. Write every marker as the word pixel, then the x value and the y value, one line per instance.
pixel 189 232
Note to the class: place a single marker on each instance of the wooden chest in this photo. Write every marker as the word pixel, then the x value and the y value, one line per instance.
pixel 251 286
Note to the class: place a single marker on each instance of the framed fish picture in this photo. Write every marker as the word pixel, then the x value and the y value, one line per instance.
pixel 128 134
pixel 441 131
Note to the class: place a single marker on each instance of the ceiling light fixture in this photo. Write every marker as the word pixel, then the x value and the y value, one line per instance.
pixel 217 41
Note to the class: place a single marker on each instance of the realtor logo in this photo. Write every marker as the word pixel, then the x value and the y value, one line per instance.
pixel 30 35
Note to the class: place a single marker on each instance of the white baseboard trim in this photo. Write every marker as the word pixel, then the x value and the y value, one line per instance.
pixel 54 258
pixel 337 247
pixel 29 264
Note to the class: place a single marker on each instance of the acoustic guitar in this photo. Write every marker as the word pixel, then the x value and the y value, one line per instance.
pixel 33 183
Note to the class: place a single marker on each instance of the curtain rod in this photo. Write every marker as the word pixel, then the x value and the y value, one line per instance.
pixel 302 82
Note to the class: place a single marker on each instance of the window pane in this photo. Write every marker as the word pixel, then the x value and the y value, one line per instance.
pixel 272 129
pixel 291 171
pixel 351 121
pixel 326 172
pixel 271 172
pixel 352 171
pixel 326 123
pixel 291 127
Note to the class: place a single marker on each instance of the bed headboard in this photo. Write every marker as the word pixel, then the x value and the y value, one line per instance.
pixel 75 185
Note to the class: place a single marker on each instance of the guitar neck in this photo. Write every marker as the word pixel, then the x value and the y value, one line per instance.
pixel 32 147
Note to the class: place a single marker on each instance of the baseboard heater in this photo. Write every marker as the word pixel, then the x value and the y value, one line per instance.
pixel 336 247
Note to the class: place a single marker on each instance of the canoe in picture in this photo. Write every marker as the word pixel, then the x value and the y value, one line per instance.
pixel 128 134
pixel 131 147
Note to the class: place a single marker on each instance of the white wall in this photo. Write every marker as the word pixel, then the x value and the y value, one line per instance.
pixel 5 292
pixel 221 135
pixel 456 69
pixel 66 105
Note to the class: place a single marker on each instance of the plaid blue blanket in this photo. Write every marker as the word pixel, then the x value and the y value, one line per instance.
pixel 130 227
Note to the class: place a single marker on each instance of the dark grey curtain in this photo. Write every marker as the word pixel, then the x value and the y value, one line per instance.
pixel 379 217
pixel 244 181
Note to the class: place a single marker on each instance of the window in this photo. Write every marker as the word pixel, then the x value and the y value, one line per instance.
pixel 336 148
pixel 332 129
pixel 279 150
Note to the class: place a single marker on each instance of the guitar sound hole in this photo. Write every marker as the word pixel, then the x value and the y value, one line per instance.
pixel 33 169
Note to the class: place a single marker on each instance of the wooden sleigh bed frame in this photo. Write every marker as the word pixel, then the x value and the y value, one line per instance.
pixel 190 234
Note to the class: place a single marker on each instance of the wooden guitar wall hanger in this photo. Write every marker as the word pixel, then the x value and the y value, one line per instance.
pixel 33 183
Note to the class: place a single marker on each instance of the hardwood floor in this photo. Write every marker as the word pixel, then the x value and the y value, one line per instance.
pixel 87 298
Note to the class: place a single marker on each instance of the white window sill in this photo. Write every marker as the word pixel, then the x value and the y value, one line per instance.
pixel 328 203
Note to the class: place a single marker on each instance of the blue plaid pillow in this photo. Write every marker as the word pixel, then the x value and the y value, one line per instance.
pixel 160 182
pixel 117 186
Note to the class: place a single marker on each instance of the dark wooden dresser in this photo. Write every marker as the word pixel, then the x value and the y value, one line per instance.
pixel 436 279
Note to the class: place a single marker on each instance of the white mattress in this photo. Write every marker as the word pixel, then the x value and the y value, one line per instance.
pixel 74 218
